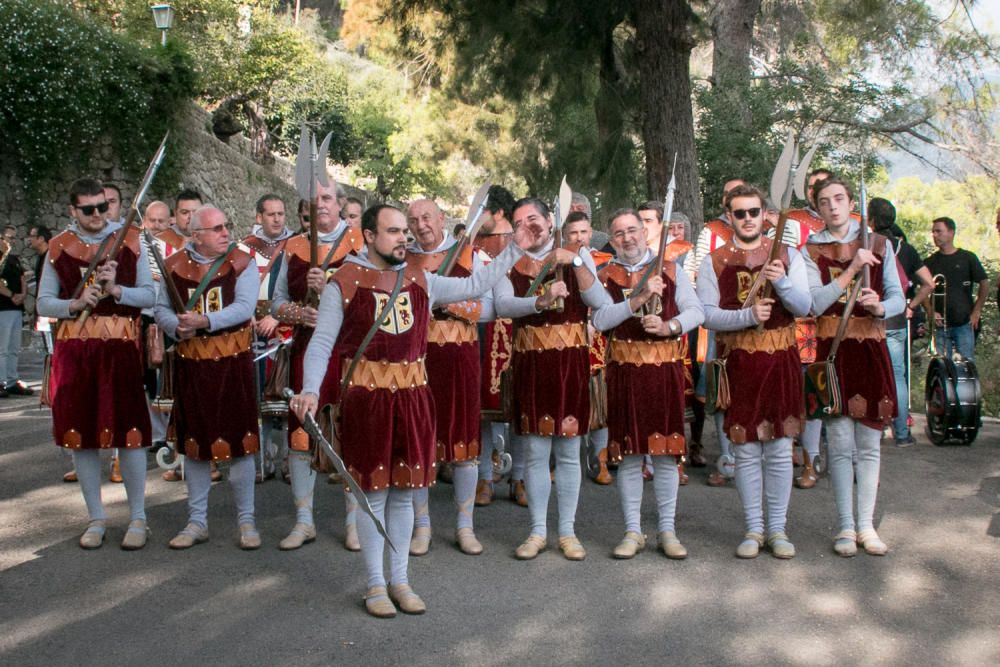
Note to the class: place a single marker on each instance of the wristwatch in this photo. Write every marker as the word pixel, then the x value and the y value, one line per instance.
pixel 674 327
pixel 578 261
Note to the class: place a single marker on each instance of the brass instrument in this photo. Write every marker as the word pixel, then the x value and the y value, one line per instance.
pixel 5 249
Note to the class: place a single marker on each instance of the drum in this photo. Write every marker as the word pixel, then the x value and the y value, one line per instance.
pixel 273 403
pixel 953 401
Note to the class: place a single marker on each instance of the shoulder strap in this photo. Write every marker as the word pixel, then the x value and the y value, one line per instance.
pixel 95 260
pixel 533 287
pixel 371 331
pixel 842 327
pixel 212 271
pixel 333 249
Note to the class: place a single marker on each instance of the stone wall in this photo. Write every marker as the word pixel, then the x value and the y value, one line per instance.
pixel 222 172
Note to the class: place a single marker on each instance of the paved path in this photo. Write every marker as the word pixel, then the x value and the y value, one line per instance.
pixel 934 600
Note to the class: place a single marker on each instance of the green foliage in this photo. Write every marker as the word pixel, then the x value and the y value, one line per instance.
pixel 69 82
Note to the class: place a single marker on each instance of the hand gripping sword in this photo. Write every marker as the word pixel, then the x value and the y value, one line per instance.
pixel 313 429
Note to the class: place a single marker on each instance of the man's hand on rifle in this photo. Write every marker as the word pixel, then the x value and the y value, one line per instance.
pixel 188 324
pixel 105 276
pixel 303 404
pixel 762 310
pixel 88 297
pixel 316 280
pixel 557 290
pixel 870 301
pixel 774 270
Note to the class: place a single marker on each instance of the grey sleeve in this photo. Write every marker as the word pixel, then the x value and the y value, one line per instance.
pixel 242 307
pixel 164 314
pixel 487 313
pixel 280 296
pixel 793 288
pixel 692 314
pixel 143 295
pixel 892 292
pixel 506 304
pixel 595 296
pixel 49 304
pixel 328 321
pixel 443 290
pixel 823 296
pixel 717 318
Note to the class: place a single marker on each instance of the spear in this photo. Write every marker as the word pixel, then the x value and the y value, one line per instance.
pixel 668 211
pixel 866 275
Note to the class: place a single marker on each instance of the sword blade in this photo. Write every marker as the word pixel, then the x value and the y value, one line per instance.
pixel 312 428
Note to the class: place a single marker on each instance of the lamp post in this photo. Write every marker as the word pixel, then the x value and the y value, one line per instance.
pixel 163 16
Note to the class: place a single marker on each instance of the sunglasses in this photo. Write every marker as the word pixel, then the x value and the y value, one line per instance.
pixel 90 208
pixel 741 213
pixel 217 229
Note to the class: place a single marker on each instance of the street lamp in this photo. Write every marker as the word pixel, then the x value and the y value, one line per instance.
pixel 163 16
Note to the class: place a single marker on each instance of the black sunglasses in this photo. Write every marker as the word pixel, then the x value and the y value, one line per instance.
pixel 741 213
pixel 90 208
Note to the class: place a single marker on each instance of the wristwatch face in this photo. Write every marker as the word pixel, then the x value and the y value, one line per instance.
pixel 577 261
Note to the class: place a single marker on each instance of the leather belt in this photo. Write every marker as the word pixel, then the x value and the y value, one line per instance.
pixel 751 340
pixel 550 337
pixel 215 347
pixel 103 327
pixel 858 328
pixel 654 352
pixel 391 375
pixel 451 332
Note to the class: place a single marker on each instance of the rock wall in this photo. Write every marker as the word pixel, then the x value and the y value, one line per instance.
pixel 222 171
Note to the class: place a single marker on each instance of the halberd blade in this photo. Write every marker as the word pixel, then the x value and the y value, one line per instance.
pixel 780 176
pixel 321 174
pixel 303 164
pixel 802 173
pixel 565 201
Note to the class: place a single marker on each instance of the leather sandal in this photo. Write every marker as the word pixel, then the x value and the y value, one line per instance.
pixel 467 542
pixel 530 548
pixel 715 478
pixel 249 537
pixel 682 476
pixel 871 543
pixel 846 543
pixel 302 533
pixel 172 475
pixel 518 493
pixel 191 535
pixel 420 543
pixel 378 604
pixel 136 535
pixel 630 545
pixel 484 493
pixel 407 601
pixel 750 546
pixel 70 477
pixel 603 477
pixel 780 546
pixel 351 541
pixel 807 479
pixel 571 548
pixel 93 536
pixel 671 546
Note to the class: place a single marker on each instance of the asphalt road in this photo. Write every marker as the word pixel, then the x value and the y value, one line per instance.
pixel 934 600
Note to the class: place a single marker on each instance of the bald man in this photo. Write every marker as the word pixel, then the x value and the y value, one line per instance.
pixel 453 372
pixel 157 218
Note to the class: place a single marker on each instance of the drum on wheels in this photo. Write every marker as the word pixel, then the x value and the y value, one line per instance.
pixel 953 400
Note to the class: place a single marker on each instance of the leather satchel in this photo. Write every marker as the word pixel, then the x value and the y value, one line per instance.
pixel 717 396
pixel 822 385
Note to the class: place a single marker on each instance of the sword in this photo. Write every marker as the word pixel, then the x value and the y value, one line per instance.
pixel 312 428
pixel 274 348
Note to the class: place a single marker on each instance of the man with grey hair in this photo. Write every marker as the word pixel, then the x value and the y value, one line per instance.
pixel 215 409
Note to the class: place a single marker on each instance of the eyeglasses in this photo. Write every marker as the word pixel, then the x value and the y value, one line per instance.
pixel 741 213
pixel 628 231
pixel 217 229
pixel 89 209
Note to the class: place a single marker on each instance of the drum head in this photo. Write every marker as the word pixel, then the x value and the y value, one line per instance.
pixel 953 400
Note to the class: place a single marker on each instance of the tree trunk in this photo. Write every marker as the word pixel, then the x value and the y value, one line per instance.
pixel 664 43
pixel 732 37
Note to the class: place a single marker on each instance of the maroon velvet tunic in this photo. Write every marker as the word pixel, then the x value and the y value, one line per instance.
pixel 453 367
pixel 386 435
pixel 496 342
pixel 96 387
pixel 645 401
pixel 551 386
pixel 867 384
pixel 215 405
pixel 766 384
pixel 297 256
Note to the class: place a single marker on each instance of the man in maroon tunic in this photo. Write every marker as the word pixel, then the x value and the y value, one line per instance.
pixel 834 259
pixel 95 387
pixel 646 379
pixel 387 422
pixel 757 344
pixel 294 302
pixel 453 373
pixel 215 407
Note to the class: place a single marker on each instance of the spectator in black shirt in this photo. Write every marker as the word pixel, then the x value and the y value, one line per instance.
pixel 962 271
pixel 882 214
pixel 12 293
